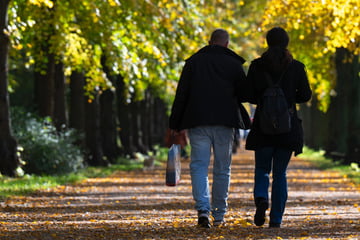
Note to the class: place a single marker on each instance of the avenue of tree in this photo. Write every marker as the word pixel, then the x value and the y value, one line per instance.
pixel 109 68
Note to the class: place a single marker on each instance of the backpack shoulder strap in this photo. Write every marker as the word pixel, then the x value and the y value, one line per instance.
pixel 281 77
pixel 283 73
pixel 269 82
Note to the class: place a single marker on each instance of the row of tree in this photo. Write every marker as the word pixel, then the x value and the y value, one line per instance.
pixel 109 68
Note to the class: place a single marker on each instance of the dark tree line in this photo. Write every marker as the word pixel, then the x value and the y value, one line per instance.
pixel 338 130
pixel 112 127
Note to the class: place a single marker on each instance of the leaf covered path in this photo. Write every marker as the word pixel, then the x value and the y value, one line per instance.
pixel 138 205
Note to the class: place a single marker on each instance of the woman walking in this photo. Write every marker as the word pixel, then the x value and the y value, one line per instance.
pixel 273 151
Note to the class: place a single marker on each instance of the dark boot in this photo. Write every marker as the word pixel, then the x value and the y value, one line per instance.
pixel 274 225
pixel 262 205
pixel 203 219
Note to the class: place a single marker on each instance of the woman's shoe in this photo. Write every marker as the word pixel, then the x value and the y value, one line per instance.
pixel 274 225
pixel 261 206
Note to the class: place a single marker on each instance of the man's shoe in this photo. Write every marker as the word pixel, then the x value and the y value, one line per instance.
pixel 261 206
pixel 217 223
pixel 203 219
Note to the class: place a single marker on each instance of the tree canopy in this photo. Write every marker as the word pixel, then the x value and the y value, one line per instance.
pixel 144 41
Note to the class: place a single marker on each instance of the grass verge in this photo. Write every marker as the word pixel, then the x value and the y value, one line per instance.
pixel 31 183
pixel 318 158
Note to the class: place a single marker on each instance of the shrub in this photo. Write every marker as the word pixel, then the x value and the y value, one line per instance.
pixel 43 149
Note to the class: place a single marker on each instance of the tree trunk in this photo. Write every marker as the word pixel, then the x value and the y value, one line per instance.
pixel 146 118
pixel 59 100
pixel 94 150
pixel 108 125
pixel 315 125
pixel 77 106
pixel 305 114
pixel 136 126
pixel 77 101
pixel 150 122
pixel 125 119
pixel 44 88
pixel 339 109
pixel 8 145
pixel 108 118
pixel 161 121
pixel 353 141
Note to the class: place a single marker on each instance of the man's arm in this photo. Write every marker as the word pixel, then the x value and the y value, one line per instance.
pixel 181 97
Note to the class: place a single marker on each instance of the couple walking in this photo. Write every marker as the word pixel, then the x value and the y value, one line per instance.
pixel 208 103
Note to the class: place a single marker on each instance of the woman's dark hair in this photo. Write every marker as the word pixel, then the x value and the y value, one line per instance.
pixel 277 57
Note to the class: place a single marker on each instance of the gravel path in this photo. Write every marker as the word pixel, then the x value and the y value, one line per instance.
pixel 138 205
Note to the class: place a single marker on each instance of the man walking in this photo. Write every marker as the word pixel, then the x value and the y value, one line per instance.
pixel 208 103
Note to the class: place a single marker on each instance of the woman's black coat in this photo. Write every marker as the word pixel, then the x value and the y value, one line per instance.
pixel 296 88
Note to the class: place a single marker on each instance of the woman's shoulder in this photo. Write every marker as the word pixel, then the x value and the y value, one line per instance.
pixel 257 63
pixel 297 63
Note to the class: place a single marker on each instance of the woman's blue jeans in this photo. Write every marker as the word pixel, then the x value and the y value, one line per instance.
pixel 277 159
pixel 202 140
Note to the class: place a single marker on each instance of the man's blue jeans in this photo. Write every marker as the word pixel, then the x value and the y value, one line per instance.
pixel 277 159
pixel 202 140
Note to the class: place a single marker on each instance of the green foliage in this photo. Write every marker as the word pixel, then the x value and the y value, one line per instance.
pixel 147 41
pixel 30 183
pixel 122 164
pixel 160 153
pixel 144 41
pixel 318 158
pixel 43 149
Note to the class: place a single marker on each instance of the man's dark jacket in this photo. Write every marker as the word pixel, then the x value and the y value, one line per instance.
pixel 296 88
pixel 209 91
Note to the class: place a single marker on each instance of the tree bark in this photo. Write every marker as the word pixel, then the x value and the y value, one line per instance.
pixel 94 156
pixel 161 121
pixel 137 126
pixel 44 88
pixel 108 125
pixel 146 118
pixel 125 119
pixel 314 121
pixel 150 122
pixel 8 145
pixel 339 109
pixel 77 101
pixel 108 118
pixel 60 118
pixel 353 141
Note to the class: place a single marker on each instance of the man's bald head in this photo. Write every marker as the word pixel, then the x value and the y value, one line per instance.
pixel 219 37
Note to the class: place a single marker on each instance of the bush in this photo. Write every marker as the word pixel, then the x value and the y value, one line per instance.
pixel 43 149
